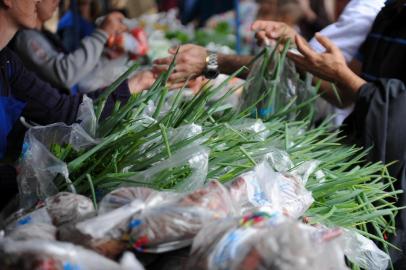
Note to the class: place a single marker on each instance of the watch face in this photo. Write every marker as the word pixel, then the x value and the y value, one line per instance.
pixel 212 73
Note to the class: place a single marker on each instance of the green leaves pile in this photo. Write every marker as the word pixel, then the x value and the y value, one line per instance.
pixel 137 148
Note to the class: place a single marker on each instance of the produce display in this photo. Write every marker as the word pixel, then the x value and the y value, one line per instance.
pixel 166 171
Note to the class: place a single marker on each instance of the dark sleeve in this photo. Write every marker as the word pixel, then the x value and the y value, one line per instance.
pixel 46 105
pixel 378 122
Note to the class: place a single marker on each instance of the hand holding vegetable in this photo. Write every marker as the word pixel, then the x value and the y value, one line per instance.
pixel 190 62
pixel 267 31
pixel 330 66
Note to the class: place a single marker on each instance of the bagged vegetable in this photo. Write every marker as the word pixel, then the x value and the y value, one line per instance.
pixel 363 252
pixel 57 210
pixel 104 233
pixel 273 85
pixel 126 195
pixel 38 167
pixel 185 170
pixel 42 254
pixel 263 187
pixel 34 231
pixel 264 241
pixel 174 225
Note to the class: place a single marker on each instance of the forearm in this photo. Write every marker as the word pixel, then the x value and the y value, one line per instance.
pixel 228 64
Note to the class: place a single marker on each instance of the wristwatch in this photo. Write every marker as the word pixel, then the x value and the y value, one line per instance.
pixel 212 67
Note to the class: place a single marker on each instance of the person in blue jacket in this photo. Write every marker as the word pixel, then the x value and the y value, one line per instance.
pixel 23 94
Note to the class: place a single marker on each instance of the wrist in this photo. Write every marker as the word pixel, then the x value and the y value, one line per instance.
pixel 347 79
pixel 212 67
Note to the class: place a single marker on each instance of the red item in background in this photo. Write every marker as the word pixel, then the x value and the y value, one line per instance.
pixel 135 43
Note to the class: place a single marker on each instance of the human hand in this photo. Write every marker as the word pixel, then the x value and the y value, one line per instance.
pixel 327 66
pixel 269 31
pixel 190 62
pixel 112 24
pixel 330 66
pixel 141 81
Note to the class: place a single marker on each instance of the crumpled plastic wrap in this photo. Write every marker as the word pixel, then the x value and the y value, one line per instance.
pixel 263 241
pixel 149 221
pixel 34 231
pixel 67 207
pixel 38 167
pixel 174 225
pixel 103 233
pixel 189 163
pixel 125 195
pixel 363 252
pixel 263 187
pixel 64 207
pixel 42 254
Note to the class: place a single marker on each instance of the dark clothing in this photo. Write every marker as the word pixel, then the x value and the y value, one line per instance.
pixel 378 120
pixel 383 54
pixel 43 105
pixel 8 184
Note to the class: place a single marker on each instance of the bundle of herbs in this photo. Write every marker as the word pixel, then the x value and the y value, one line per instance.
pixel 348 192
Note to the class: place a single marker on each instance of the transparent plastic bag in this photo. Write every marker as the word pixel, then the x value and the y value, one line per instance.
pixel 253 127
pixel 185 171
pixel 175 136
pixel 36 216
pixel 104 233
pixel 363 252
pixel 126 195
pixel 275 88
pixel 41 254
pixel 278 159
pixel 86 116
pixel 39 167
pixel 34 231
pixel 174 225
pixel 263 187
pixel 261 241
pixel 67 207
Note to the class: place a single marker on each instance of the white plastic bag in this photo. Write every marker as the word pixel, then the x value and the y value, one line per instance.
pixel 263 187
pixel 174 225
pixel 263 241
pixel 363 252
pixel 42 254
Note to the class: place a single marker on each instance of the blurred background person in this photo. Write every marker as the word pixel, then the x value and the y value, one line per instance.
pixel 77 21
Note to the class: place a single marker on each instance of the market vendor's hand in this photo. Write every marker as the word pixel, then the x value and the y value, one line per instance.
pixel 112 24
pixel 328 65
pixel 270 31
pixel 190 63
pixel 141 81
